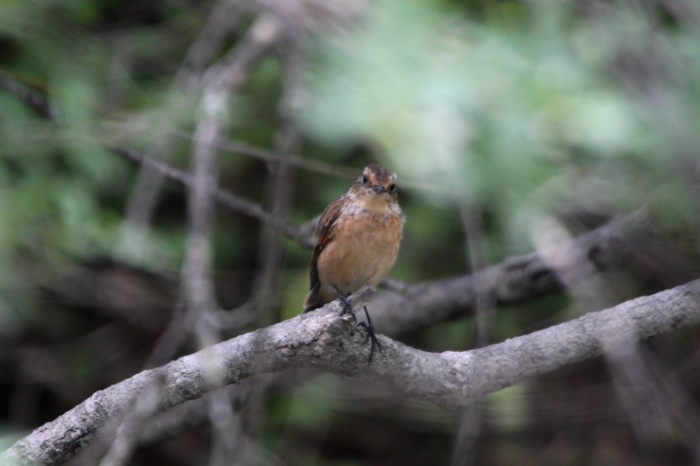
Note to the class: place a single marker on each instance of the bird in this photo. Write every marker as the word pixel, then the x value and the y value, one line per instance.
pixel 357 240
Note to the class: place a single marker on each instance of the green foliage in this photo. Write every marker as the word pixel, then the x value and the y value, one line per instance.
pixel 496 112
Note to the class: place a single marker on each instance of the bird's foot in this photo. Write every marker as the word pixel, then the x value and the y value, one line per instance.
pixel 346 304
pixel 371 335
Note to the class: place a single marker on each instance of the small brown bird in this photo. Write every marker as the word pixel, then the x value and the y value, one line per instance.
pixel 358 238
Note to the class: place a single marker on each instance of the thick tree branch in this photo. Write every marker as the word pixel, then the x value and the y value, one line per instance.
pixel 326 341
pixel 515 280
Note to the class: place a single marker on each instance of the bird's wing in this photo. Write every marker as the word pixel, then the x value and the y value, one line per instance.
pixel 324 235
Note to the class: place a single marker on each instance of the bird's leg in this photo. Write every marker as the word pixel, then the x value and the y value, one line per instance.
pixel 371 335
pixel 346 305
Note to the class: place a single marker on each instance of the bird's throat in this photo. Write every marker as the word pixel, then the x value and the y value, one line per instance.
pixel 374 203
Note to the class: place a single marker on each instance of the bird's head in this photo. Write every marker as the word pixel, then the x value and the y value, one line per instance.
pixel 377 182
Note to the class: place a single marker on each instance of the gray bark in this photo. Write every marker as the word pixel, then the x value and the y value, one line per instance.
pixel 324 340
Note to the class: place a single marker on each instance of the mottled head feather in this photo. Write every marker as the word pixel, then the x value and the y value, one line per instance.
pixel 377 175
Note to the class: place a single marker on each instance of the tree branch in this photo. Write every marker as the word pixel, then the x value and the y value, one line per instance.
pixel 222 19
pixel 301 235
pixel 515 280
pixel 324 340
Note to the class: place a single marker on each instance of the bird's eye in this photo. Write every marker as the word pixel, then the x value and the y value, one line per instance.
pixel 364 179
pixel 392 188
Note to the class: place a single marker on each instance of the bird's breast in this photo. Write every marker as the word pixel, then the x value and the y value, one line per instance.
pixel 363 250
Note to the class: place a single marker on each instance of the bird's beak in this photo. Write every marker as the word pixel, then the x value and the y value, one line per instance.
pixel 379 189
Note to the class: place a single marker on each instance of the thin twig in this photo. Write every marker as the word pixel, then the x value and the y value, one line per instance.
pixel 221 82
pixel 472 417
pixel 280 195
pixel 280 188
pixel 290 158
pixel 301 235
pixel 221 21
pixel 127 435
pixel 31 98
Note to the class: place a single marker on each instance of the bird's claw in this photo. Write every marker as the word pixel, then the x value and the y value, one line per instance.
pixel 371 335
pixel 368 326
pixel 347 308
